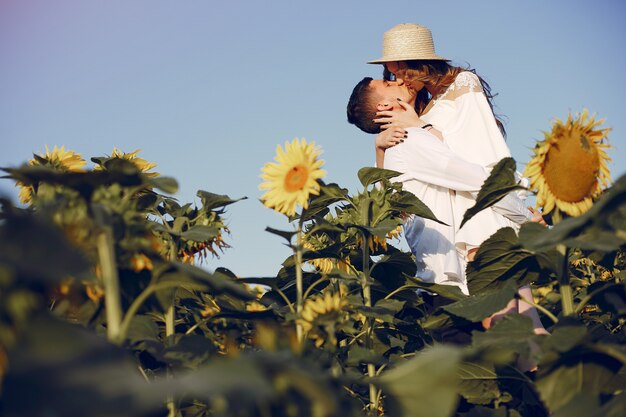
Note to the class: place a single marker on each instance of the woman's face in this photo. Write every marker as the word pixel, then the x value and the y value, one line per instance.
pixel 394 66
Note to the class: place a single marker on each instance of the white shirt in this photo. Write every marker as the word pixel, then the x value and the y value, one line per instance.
pixel 433 173
pixel 464 118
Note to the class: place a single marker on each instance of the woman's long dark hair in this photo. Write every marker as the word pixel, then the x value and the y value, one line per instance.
pixel 439 74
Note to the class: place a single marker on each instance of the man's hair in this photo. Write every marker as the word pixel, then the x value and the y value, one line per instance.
pixel 362 107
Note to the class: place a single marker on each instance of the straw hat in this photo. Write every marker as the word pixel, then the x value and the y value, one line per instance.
pixel 408 41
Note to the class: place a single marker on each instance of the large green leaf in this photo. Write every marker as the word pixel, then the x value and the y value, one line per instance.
pixel 319 205
pixel 501 181
pixel 60 369
pixel 36 250
pixel 392 270
pixel 478 382
pixel 571 365
pixel 370 175
pixel 408 203
pixel 501 258
pixel 513 331
pixel 566 382
pixel 425 386
pixel 479 306
pixel 217 281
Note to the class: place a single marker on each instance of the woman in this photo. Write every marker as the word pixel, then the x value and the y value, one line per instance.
pixel 455 104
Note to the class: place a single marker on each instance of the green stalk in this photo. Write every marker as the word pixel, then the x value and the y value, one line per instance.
pixel 367 299
pixel 112 299
pixel 170 317
pixel 299 284
pixel 565 289
pixel 567 299
pixel 169 341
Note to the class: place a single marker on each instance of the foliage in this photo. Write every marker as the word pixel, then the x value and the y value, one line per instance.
pixel 103 310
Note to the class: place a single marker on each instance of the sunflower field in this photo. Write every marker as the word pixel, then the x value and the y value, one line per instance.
pixel 105 309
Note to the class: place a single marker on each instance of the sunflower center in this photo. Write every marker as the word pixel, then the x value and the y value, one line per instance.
pixel 571 167
pixel 296 178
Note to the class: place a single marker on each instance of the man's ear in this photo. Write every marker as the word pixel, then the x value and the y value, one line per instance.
pixel 384 105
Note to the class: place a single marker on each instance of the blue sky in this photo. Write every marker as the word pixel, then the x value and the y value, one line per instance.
pixel 207 89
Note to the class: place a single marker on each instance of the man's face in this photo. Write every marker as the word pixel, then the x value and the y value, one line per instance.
pixel 388 92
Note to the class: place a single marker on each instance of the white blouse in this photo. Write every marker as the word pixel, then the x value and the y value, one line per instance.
pixel 463 116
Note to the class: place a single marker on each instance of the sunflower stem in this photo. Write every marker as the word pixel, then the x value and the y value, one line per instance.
pixel 565 289
pixel 299 285
pixel 169 341
pixel 112 300
pixel 367 299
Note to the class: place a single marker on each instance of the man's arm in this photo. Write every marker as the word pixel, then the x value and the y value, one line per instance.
pixel 424 158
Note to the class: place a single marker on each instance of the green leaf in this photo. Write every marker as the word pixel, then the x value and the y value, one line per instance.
pixel 479 306
pixel 384 311
pixel 282 233
pixel 501 258
pixel 451 292
pixel 211 201
pixel 370 175
pixel 318 205
pixel 219 282
pixel 166 184
pixel 568 381
pixel 142 328
pixel 358 355
pixel 190 351
pixel 512 331
pixel 381 230
pixel 408 203
pixel 583 405
pixel 201 233
pixel 572 365
pixel 501 181
pixel 566 335
pixel 393 269
pixel 56 360
pixel 425 386
pixel 37 250
pixel 322 225
pixel 478 382
pixel 227 379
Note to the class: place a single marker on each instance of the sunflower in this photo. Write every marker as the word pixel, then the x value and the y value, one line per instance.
pixel 375 242
pixel 190 249
pixel 320 314
pixel 143 165
pixel 58 158
pixel 569 167
pixel 293 177
pixel 325 265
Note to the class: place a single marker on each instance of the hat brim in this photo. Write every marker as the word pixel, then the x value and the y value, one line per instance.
pixel 407 58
